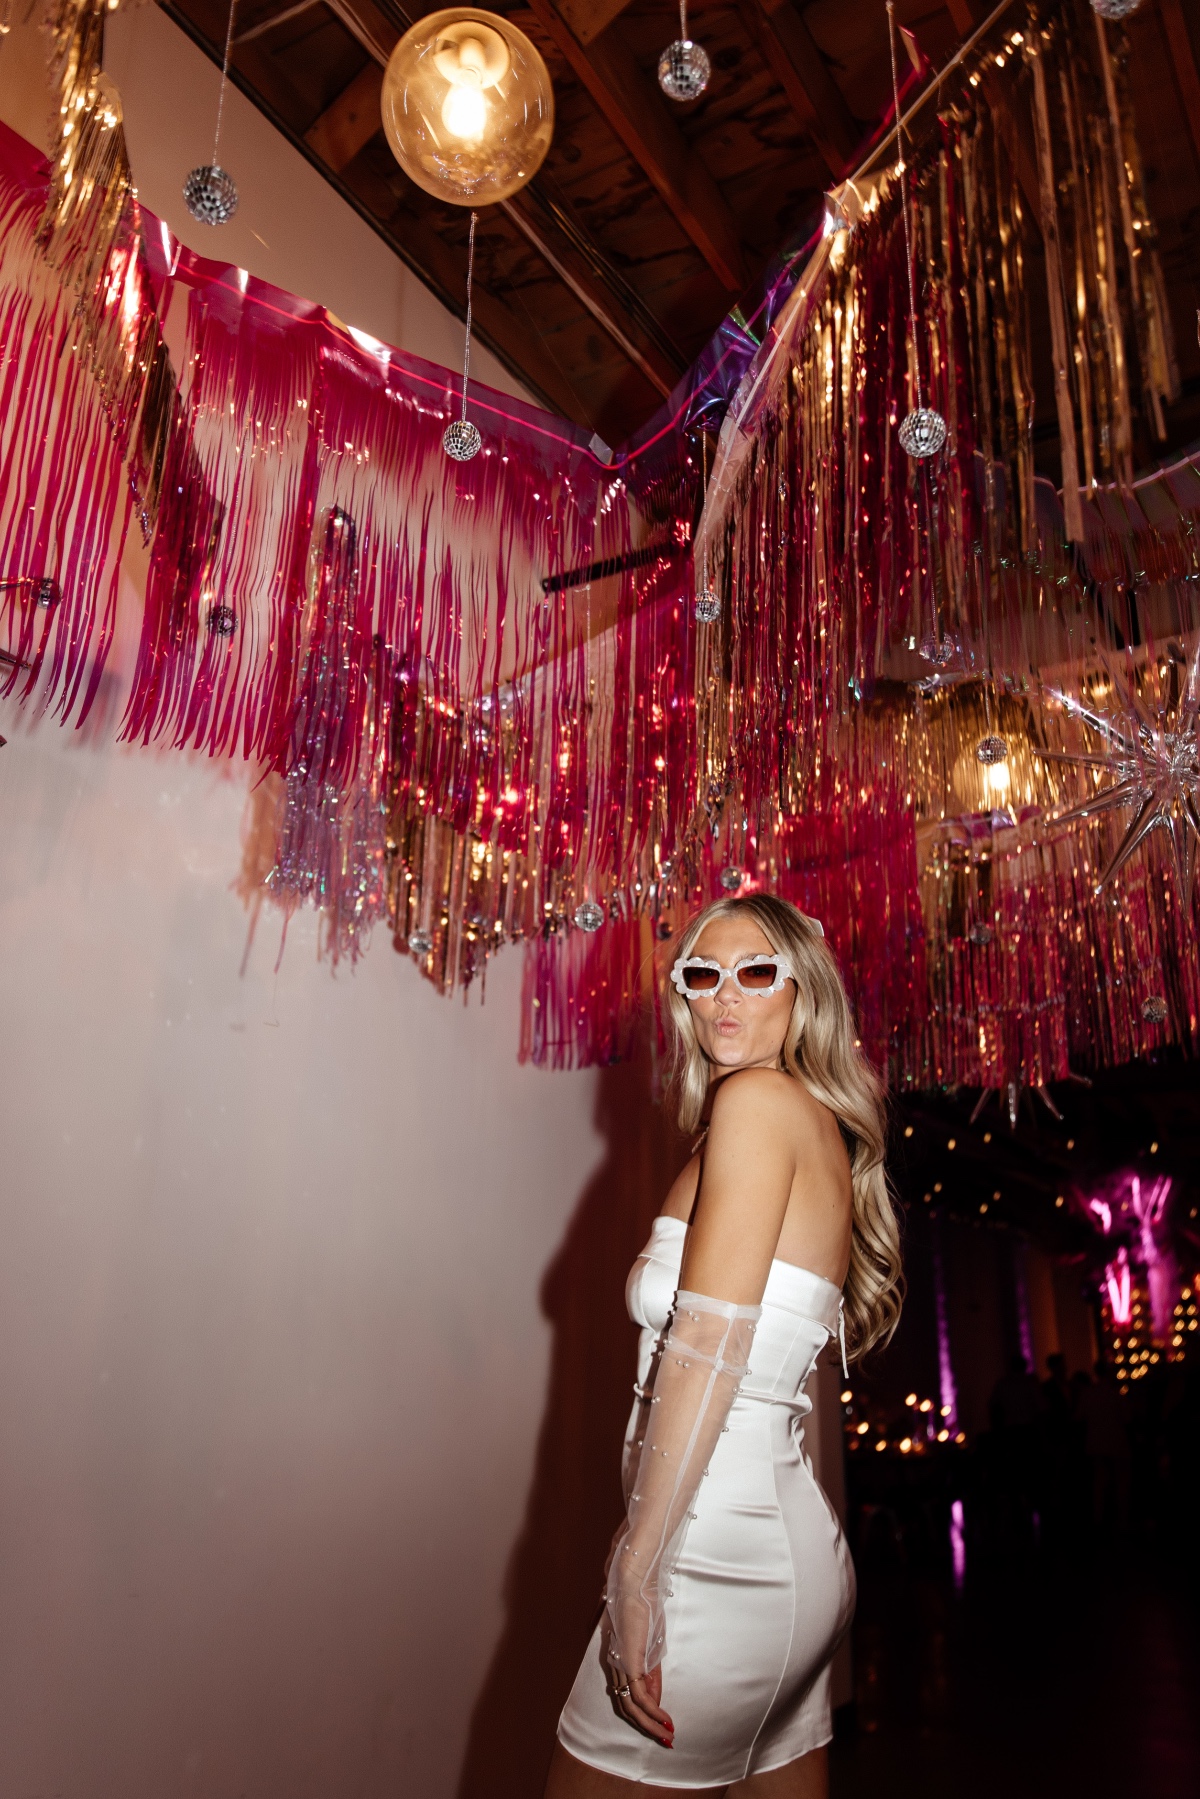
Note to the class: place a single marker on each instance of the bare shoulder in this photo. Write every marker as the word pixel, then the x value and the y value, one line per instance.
pixel 751 1157
pixel 754 1096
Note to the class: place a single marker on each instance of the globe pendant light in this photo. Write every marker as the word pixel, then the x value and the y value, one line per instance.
pixel 209 192
pixel 467 106
pixel 683 67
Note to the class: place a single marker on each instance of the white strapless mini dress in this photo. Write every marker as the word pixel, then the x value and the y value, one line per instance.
pixel 763 1589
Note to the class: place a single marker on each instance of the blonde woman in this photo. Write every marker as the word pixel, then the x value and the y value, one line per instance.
pixel 730 1586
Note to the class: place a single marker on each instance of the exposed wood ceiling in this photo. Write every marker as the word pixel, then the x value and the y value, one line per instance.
pixel 601 282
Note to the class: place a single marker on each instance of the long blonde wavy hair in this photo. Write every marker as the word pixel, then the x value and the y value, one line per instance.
pixel 819 1050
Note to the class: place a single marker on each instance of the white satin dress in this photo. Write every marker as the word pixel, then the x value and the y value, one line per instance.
pixel 763 1589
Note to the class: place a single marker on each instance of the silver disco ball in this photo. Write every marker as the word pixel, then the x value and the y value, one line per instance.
pixel 922 433
pixel 589 916
pixel 210 195
pixel 683 70
pixel 1154 1008
pixel 420 943
pixel 990 750
pixel 1115 9
pixel 222 620
pixel 461 440
pixel 981 935
pixel 731 879
pixel 707 606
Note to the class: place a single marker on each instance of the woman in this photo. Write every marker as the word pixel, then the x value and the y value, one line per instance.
pixel 730 1586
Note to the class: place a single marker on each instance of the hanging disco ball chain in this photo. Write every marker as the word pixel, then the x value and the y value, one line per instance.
pixel 683 67
pixel 923 431
pixel 461 440
pixel 209 192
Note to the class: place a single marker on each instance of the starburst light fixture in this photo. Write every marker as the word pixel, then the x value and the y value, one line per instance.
pixel 1154 760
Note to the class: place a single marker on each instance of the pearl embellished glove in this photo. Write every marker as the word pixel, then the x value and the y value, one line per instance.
pixel 685 1403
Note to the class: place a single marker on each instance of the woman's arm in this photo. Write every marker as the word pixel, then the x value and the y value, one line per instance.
pixel 745 1183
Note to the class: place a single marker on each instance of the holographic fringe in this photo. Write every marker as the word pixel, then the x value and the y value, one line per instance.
pixel 479 692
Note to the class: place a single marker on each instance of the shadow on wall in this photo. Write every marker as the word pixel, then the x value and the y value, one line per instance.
pixel 554 1577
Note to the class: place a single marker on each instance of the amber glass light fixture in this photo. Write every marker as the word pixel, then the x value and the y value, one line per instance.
pixel 467 106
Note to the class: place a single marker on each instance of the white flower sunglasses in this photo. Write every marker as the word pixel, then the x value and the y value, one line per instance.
pixel 698 977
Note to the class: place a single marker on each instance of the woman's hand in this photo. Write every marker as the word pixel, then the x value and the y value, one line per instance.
pixel 640 1699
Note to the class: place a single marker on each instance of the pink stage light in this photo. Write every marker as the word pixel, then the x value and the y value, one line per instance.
pixel 1119 1287
pixel 1149 1204
pixel 958 1543
pixel 1103 1213
pixel 947 1387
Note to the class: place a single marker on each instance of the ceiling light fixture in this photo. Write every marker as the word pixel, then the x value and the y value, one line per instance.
pixel 467 106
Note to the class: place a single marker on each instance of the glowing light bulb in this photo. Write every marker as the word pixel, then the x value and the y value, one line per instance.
pixel 997 777
pixel 465 113
pixel 467 106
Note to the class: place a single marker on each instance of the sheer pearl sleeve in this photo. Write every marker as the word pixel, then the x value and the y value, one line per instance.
pixel 683 1408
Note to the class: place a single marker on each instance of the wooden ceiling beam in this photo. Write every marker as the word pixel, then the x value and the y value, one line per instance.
pixel 792 55
pixel 588 18
pixel 442 265
pixel 350 122
pixel 965 14
pixel 364 21
pixel 638 116
pixel 1183 60
pixel 500 327
pixel 565 261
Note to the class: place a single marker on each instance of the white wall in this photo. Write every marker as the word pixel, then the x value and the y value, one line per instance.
pixel 273 1356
